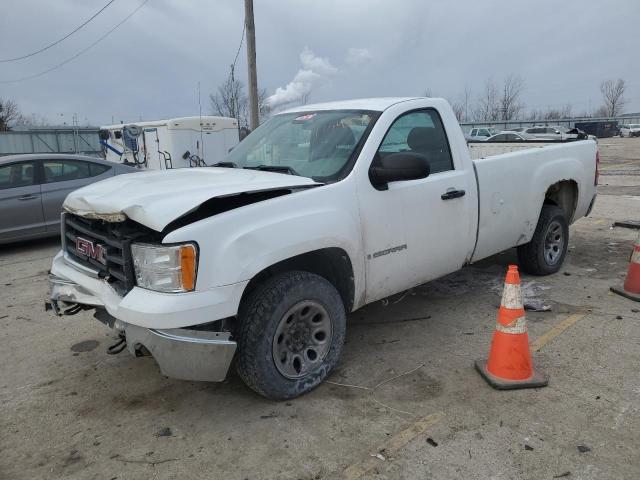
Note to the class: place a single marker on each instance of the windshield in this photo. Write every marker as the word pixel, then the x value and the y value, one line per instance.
pixel 634 125
pixel 319 145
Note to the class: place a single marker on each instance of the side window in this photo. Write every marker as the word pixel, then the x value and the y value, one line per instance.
pixel 16 175
pixel 63 170
pixel 97 169
pixel 474 132
pixel 419 132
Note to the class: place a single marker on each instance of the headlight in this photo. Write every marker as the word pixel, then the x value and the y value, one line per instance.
pixel 165 268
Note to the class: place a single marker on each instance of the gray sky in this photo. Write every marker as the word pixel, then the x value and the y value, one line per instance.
pixel 152 64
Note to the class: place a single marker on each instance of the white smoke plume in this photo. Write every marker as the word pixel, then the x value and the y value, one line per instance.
pixel 314 71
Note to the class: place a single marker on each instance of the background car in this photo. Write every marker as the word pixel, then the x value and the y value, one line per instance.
pixel 33 187
pixel 630 130
pixel 481 134
pixel 511 137
pixel 549 133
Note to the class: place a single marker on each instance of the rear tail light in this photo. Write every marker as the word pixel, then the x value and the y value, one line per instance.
pixel 597 175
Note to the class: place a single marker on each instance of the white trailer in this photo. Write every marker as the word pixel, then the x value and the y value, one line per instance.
pixel 173 143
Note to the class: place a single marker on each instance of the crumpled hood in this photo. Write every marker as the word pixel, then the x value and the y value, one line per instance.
pixel 156 198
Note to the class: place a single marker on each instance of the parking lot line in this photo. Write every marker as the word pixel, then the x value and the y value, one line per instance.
pixel 394 444
pixel 556 330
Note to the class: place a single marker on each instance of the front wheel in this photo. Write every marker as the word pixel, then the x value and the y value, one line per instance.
pixel 546 251
pixel 290 334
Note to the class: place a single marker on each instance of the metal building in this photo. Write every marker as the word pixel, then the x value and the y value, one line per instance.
pixel 51 140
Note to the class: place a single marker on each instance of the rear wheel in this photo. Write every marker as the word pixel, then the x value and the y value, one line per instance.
pixel 546 251
pixel 290 335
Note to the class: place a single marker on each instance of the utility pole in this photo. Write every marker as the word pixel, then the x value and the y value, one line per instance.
pixel 254 118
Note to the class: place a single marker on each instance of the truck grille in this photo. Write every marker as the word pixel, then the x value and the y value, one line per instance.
pixel 102 247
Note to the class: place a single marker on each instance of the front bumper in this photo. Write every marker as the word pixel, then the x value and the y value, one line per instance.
pixel 181 353
pixel 150 309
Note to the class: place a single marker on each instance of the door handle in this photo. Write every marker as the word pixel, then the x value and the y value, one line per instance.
pixel 27 197
pixel 452 194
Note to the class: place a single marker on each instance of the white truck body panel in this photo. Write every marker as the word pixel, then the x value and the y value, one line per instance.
pixel 351 214
pixel 394 238
pixel 506 202
pixel 154 199
pixel 479 150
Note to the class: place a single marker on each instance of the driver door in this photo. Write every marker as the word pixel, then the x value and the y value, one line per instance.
pixel 417 230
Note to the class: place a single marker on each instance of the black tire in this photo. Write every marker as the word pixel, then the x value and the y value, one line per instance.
pixel 260 316
pixel 533 257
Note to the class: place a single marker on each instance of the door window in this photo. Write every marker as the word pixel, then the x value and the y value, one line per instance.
pixel 420 132
pixel 16 175
pixel 63 170
pixel 98 169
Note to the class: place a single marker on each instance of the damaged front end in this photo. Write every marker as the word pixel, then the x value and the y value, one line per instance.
pixel 183 353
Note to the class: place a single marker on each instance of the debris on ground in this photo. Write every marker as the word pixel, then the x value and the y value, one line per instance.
pixel 635 224
pixel 528 447
pixel 432 442
pixel 536 306
pixel 164 432
pixel 565 474
pixel 379 456
pixel 583 449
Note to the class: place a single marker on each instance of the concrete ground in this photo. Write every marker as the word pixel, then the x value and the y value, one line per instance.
pixel 405 389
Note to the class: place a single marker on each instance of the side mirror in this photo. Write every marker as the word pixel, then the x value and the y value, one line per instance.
pixel 397 167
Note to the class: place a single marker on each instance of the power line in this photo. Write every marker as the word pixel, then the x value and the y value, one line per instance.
pixel 55 67
pixel 239 46
pixel 57 41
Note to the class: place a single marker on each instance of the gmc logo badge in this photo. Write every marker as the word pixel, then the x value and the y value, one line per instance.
pixel 92 250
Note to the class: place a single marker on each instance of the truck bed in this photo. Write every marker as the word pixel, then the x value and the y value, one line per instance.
pixel 512 188
pixel 487 149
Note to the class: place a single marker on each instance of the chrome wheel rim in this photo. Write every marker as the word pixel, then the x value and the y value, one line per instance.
pixel 553 243
pixel 302 339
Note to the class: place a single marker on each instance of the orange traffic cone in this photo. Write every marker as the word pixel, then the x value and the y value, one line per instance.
pixel 509 365
pixel 631 287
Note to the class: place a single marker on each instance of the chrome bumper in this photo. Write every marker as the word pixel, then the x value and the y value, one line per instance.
pixel 180 352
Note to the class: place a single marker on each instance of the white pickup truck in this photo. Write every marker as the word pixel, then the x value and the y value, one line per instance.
pixel 319 211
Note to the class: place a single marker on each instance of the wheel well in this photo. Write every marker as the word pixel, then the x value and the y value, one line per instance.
pixel 563 194
pixel 333 264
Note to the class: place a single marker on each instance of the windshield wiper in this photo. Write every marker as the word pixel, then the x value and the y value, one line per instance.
pixel 224 165
pixel 275 168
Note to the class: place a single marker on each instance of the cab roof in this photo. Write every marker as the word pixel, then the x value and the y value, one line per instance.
pixel 374 104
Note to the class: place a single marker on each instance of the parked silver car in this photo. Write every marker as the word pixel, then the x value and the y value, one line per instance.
pixel 33 187
pixel 510 136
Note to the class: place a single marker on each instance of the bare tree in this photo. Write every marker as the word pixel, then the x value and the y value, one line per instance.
pixel 458 110
pixel 231 100
pixel 601 112
pixel 466 100
pixel 264 107
pixel 9 114
pixel 613 94
pixel 551 113
pixel 488 107
pixel 32 120
pixel 510 105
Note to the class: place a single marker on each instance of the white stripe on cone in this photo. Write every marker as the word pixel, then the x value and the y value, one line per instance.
pixel 511 296
pixel 519 325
